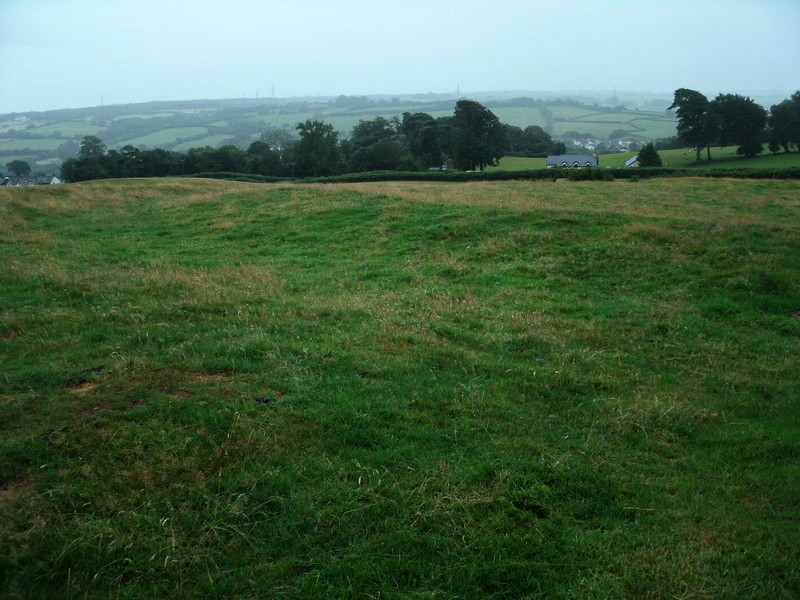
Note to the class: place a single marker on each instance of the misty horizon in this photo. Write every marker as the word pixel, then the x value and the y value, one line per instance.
pixel 84 53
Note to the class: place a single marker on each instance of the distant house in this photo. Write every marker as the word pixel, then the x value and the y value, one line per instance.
pixel 571 161
pixel 632 162
pixel 32 180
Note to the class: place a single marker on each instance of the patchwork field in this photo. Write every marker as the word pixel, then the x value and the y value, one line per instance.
pixel 44 139
pixel 400 390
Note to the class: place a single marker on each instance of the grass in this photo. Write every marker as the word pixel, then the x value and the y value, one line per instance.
pixel 70 128
pixel 722 158
pixel 400 390
pixel 165 136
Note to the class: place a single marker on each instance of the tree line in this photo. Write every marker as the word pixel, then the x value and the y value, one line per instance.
pixel 471 139
pixel 732 119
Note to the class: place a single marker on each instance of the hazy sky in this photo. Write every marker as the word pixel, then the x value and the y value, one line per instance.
pixel 70 53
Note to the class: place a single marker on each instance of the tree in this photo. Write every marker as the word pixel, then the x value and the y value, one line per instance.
pixel 278 139
pixel 422 136
pixel 317 153
pixel 383 155
pixel 20 168
pixel 739 121
pixel 531 141
pixel 82 169
pixel 784 123
pixel 367 133
pixel 648 156
pixel 376 145
pixel 263 160
pixel 92 147
pixel 225 158
pixel 481 138
pixel 695 122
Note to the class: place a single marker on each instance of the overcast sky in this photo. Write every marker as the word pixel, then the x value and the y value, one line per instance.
pixel 72 53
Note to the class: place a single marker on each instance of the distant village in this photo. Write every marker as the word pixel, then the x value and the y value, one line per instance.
pixel 30 180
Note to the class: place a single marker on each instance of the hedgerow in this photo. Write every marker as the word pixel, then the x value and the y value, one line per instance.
pixel 532 175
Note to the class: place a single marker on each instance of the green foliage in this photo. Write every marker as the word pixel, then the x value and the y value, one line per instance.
pixel 531 141
pixel 317 153
pixel 696 125
pixel 740 121
pixel 375 145
pixel 481 138
pixel 784 123
pixel 422 135
pixel 92 147
pixel 591 174
pixel 648 156
pixel 20 168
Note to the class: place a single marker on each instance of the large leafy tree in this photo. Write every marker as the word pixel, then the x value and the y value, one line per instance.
pixel 262 159
pixel 739 121
pixel 531 141
pixel 480 137
pixel 20 168
pixel 317 153
pixel 422 136
pixel 696 125
pixel 277 138
pixel 367 133
pixel 784 123
pixel 92 147
pixel 376 145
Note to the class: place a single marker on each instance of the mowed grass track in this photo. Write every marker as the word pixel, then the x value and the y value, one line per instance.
pixel 400 390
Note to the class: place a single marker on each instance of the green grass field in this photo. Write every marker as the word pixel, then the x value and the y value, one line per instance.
pixel 495 390
pixel 722 158
pixel 164 137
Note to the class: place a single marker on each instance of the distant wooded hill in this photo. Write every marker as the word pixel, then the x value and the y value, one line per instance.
pixel 45 139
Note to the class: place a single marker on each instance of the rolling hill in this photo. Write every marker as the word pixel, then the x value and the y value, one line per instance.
pixel 44 139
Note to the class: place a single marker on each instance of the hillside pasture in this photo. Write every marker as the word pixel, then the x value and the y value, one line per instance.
pixel 400 390
pixel 682 158
pixel 69 129
pixel 21 145
pixel 164 138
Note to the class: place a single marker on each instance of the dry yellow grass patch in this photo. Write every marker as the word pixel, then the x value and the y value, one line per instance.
pixel 83 389
pixel 60 199
pixel 718 200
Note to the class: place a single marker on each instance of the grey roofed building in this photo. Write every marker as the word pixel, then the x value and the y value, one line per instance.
pixel 632 162
pixel 33 180
pixel 571 161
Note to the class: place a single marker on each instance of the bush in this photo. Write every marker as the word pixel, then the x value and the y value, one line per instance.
pixel 532 175
pixel 590 175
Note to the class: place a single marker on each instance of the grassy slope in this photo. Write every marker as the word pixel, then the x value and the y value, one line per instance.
pixel 488 390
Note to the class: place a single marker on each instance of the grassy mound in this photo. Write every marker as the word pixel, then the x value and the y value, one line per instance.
pixel 400 390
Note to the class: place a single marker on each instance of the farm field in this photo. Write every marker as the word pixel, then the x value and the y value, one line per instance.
pixel 400 390
pixel 167 136
pixel 722 158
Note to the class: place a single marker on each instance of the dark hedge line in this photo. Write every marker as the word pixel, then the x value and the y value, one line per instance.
pixel 534 175
pixel 247 177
